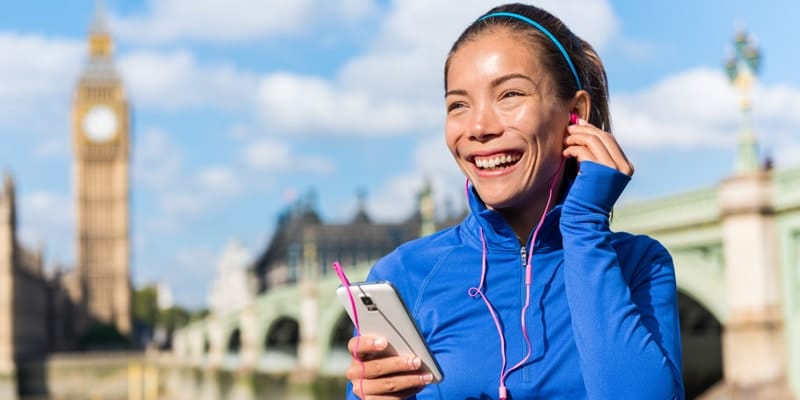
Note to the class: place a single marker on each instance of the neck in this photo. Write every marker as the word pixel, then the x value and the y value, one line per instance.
pixel 523 220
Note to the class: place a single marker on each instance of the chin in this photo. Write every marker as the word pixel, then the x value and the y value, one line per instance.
pixel 496 200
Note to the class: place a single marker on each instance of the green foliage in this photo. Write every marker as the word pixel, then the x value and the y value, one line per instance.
pixel 199 315
pixel 146 311
pixel 173 318
pixel 145 305
pixel 103 337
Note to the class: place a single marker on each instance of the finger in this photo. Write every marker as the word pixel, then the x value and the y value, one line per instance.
pixel 391 387
pixel 363 345
pixel 615 150
pixel 382 367
pixel 588 147
pixel 394 396
pixel 608 140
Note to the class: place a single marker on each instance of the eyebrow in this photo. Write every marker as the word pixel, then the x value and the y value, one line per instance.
pixel 495 82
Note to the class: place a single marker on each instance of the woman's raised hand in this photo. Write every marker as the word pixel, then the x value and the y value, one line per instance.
pixel 586 142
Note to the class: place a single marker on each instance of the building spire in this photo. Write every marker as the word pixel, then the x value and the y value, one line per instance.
pixel 426 209
pixel 100 44
pixel 362 217
pixel 8 184
pixel 99 23
pixel 10 200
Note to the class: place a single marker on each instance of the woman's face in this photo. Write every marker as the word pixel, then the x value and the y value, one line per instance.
pixel 505 125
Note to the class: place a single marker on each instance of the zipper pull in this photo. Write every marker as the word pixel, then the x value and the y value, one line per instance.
pixel 523 252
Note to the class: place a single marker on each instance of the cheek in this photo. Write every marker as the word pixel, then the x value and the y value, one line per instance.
pixel 452 133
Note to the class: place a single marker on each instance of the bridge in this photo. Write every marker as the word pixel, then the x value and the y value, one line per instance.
pixel 736 248
pixel 288 328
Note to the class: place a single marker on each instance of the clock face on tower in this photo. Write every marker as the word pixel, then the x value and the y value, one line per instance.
pixel 100 123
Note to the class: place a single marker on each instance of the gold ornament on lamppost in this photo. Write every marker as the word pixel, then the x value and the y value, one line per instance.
pixel 742 66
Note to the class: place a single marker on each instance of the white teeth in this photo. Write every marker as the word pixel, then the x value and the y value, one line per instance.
pixel 492 162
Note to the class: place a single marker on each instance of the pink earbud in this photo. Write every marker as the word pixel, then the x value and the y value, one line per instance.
pixel 573 118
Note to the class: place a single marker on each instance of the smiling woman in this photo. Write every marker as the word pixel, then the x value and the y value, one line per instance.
pixel 532 295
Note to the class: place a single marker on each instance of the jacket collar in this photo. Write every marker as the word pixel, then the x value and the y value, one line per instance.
pixel 499 234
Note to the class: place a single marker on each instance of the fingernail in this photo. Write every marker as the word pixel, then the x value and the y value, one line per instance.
pixel 581 121
pixel 380 343
pixel 427 378
pixel 414 363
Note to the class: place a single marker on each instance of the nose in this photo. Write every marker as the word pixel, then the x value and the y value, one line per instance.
pixel 485 124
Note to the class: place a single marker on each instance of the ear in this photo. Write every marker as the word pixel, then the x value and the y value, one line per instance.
pixel 581 104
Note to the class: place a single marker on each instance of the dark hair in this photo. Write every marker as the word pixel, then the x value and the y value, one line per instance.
pixel 587 62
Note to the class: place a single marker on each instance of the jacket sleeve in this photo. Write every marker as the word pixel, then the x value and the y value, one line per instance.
pixel 626 330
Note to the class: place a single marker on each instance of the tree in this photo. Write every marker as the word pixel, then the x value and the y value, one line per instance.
pixel 145 305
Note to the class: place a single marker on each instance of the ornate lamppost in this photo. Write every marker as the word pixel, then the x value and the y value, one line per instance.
pixel 742 66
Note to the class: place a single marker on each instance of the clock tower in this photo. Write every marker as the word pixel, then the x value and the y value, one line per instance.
pixel 101 168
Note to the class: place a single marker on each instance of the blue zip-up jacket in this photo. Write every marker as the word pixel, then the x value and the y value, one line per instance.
pixel 603 318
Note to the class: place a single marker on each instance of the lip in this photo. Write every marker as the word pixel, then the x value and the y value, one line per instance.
pixel 488 153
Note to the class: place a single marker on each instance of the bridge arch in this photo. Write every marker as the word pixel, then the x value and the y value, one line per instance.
pixel 701 340
pixel 234 345
pixel 281 345
pixel 283 336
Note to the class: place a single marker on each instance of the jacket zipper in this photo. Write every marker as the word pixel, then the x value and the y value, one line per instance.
pixel 523 252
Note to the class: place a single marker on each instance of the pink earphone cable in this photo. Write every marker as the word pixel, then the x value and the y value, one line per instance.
pixel 346 283
pixel 478 291
pixel 473 292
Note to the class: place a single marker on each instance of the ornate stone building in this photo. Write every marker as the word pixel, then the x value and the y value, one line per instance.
pixel 231 289
pixel 33 304
pixel 302 238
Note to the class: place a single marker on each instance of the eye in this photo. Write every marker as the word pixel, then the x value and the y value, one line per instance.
pixel 455 106
pixel 511 93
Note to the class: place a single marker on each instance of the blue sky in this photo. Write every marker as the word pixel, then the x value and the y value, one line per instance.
pixel 241 105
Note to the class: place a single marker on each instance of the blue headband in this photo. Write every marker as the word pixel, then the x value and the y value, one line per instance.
pixel 543 30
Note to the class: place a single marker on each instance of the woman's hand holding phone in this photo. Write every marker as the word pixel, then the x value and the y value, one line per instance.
pixel 384 375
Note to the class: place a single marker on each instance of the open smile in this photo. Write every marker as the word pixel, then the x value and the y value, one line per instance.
pixel 497 161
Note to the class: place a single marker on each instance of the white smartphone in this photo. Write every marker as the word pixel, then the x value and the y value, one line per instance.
pixel 382 312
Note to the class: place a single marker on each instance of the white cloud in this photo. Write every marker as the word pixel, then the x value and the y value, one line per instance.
pixel 693 108
pixel 776 116
pixel 37 75
pixel 780 102
pixel 234 20
pixel 592 20
pixel 351 10
pixel 219 180
pixel 274 155
pixel 313 105
pixel 175 80
pixel 700 108
pixel 218 21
